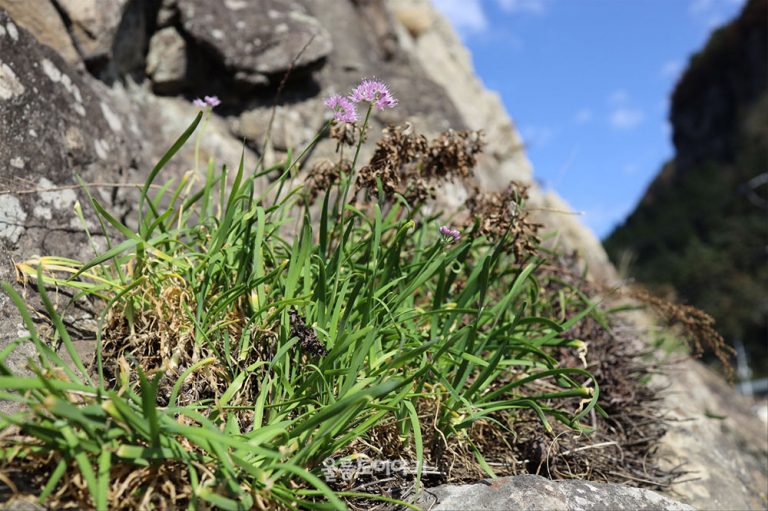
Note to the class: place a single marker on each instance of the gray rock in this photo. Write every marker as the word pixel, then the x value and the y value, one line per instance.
pixel 40 18
pixel 167 61
pixel 293 126
pixel 717 437
pixel 360 44
pixel 167 14
pixel 166 117
pixel 56 125
pixel 21 505
pixel 110 34
pixel 362 49
pixel 535 493
pixel 256 39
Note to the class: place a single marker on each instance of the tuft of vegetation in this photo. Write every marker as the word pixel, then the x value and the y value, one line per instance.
pixel 253 348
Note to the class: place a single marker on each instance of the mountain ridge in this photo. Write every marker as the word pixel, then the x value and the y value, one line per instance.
pixel 698 233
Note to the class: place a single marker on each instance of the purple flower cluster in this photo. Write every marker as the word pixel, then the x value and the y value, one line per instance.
pixel 210 101
pixel 343 108
pixel 368 91
pixel 450 233
pixel 373 91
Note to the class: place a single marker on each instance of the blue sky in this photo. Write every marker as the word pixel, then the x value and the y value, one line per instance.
pixel 588 82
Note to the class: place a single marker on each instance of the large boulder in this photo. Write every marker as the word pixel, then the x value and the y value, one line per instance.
pixel 716 438
pixel 101 29
pixel 167 61
pixel 56 125
pixel 361 48
pixel 59 124
pixel 41 19
pixel 536 493
pixel 257 40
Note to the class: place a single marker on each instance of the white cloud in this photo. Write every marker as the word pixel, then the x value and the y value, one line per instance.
pixel 713 12
pixel 618 97
pixel 716 20
pixel 699 6
pixel 530 6
pixel 630 169
pixel 666 129
pixel 466 16
pixel 537 136
pixel 583 116
pixel 602 218
pixel 663 105
pixel 626 118
pixel 671 69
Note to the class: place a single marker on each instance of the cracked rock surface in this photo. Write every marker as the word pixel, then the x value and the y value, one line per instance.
pixel 536 493
pixel 55 126
pixel 256 39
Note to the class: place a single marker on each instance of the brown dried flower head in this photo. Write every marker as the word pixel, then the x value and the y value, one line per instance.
pixel 453 154
pixel 399 146
pixel 698 327
pixel 345 133
pixel 324 174
pixel 308 341
pixel 499 213
pixel 406 163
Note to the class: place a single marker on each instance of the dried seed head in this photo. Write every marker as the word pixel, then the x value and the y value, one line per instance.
pixel 697 326
pixel 394 152
pixel 406 163
pixel 453 154
pixel 324 175
pixel 343 132
pixel 502 213
pixel 308 341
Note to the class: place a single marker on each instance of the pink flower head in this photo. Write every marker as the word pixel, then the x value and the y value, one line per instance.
pixel 209 101
pixel 343 109
pixel 373 91
pixel 450 233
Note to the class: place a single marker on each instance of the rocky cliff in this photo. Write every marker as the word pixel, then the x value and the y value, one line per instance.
pixel 700 230
pixel 720 85
pixel 100 88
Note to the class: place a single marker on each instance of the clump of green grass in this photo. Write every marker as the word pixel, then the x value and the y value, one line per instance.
pixel 250 341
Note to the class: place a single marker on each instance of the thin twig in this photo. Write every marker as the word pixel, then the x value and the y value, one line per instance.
pixel 73 187
pixel 561 211
pixel 638 479
pixel 280 87
pixel 594 446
